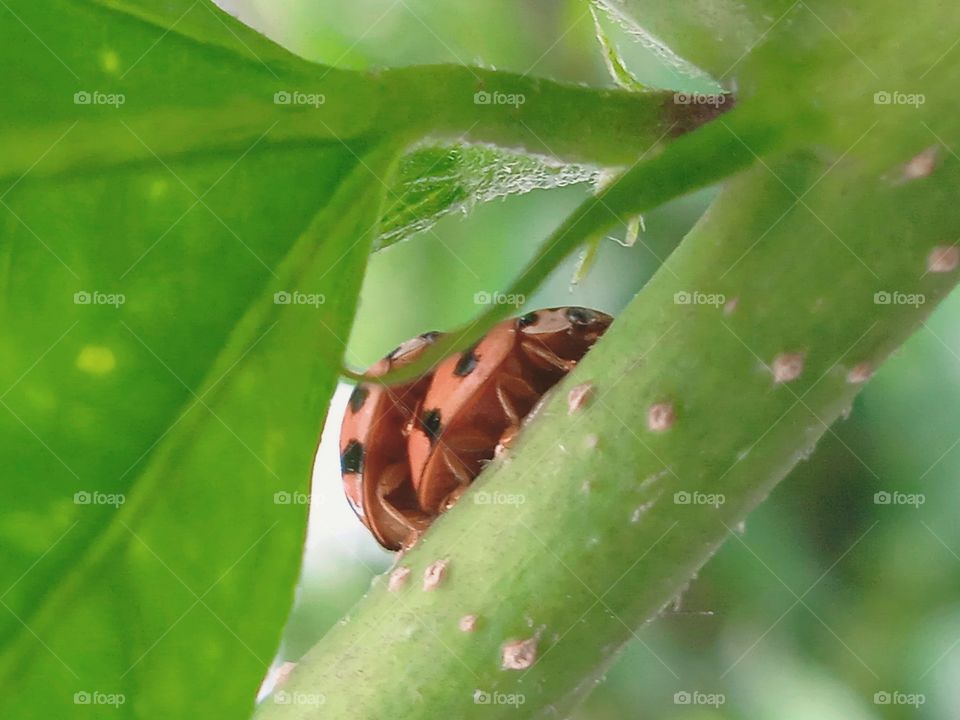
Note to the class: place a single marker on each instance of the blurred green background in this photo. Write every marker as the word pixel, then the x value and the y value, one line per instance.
pixel 826 597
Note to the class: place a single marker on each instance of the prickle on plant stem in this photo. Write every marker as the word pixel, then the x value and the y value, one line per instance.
pixel 787 367
pixel 519 654
pixel 660 417
pixel 434 575
pixel 943 259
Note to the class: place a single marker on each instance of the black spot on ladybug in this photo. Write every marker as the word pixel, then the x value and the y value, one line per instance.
pixel 351 460
pixel 430 336
pixel 580 316
pixel 527 320
pixel 430 422
pixel 467 363
pixel 358 397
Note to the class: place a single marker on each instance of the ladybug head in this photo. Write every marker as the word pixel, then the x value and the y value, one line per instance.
pixel 582 316
pixel 573 319
pixel 563 334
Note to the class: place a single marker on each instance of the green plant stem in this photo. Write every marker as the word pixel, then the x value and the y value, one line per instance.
pixel 567 122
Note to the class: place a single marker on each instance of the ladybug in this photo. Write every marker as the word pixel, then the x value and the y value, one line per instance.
pixel 373 450
pixel 409 451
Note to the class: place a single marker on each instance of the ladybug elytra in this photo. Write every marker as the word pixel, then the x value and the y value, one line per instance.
pixel 407 452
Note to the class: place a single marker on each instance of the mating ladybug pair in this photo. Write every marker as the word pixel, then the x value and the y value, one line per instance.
pixel 408 451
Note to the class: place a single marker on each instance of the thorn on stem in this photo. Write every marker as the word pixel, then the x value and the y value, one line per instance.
pixel 660 417
pixel 433 575
pixel 468 623
pixel 579 397
pixel 787 367
pixel 519 655
pixel 860 373
pixel 398 578
pixel 943 258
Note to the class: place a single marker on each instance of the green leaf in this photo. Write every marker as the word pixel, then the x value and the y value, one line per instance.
pixel 435 181
pixel 198 399
pixel 612 59
pixel 155 396
pixel 147 55
pixel 713 35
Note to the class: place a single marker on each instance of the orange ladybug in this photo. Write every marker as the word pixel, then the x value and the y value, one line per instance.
pixel 408 452
pixel 373 449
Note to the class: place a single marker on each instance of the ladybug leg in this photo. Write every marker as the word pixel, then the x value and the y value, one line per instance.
pixel 505 441
pixel 450 500
pixel 406 525
pixel 548 356
pixel 412 538
pixel 457 469
pixel 507 403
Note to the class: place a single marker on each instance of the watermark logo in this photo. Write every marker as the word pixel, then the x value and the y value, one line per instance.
pixel 291 498
pixel 296 97
pixel 498 498
pixel 685 497
pixel 95 497
pixel 895 697
pixel 299 298
pixel 898 298
pixel 282 697
pixel 481 697
pixel 95 97
pixel 696 98
pixel 884 497
pixel 96 297
pixel 482 97
pixel 884 97
pixel 695 697
pixel 96 697
pixel 699 298
pixel 498 298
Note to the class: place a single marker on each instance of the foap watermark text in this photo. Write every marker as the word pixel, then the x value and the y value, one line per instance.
pixel 895 97
pixel 298 98
pixel 699 298
pixel 482 697
pixel 296 297
pixel 97 98
pixel 896 697
pixel 697 98
pixel 95 697
pixel 685 497
pixel 95 497
pixel 695 697
pixel 884 297
pixel 884 497
pixel 498 298
pixel 95 297
pixel 482 97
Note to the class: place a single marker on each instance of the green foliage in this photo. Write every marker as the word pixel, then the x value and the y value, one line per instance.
pixel 192 396
pixel 438 180
pixel 188 211
pixel 187 214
